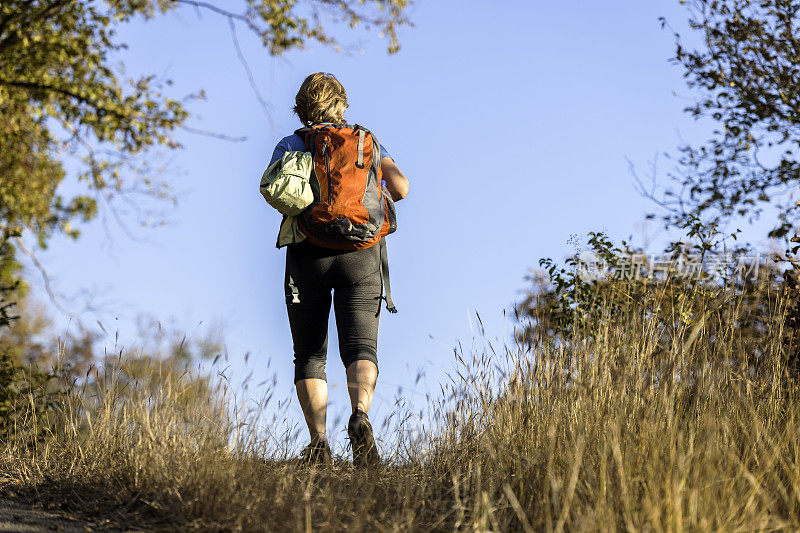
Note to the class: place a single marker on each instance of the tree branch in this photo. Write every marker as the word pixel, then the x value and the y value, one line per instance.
pixel 45 276
pixel 223 12
pixel 65 92
pixel 250 78
pixel 215 135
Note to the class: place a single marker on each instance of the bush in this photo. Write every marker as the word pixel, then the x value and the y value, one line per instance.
pixel 28 395
pixel 573 302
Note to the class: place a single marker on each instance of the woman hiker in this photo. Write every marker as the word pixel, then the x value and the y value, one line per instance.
pixel 336 245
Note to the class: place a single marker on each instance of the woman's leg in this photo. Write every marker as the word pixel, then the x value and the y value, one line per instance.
pixel 313 396
pixel 308 303
pixel 356 300
pixel 361 378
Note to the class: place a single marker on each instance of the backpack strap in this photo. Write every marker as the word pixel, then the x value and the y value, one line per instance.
pixel 305 133
pixel 361 135
pixel 385 277
pixel 290 268
pixel 295 292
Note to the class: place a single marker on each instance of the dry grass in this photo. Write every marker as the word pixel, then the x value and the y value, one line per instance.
pixel 641 427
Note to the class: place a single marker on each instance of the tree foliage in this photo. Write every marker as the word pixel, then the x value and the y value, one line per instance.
pixel 746 70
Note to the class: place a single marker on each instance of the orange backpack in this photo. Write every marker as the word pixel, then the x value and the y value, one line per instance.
pixel 351 209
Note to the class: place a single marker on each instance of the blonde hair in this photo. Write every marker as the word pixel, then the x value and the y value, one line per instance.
pixel 321 98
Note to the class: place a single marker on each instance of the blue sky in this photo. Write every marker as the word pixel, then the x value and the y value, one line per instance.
pixel 512 120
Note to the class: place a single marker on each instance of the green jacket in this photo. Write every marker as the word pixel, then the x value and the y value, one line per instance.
pixel 287 186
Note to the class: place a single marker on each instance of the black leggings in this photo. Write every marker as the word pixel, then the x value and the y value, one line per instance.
pixel 354 276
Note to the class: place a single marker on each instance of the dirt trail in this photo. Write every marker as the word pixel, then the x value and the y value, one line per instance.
pixel 22 518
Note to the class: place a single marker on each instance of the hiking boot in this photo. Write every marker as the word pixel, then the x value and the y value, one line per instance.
pixel 365 452
pixel 316 453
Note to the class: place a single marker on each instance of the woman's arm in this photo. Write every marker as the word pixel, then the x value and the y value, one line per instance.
pixel 396 183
